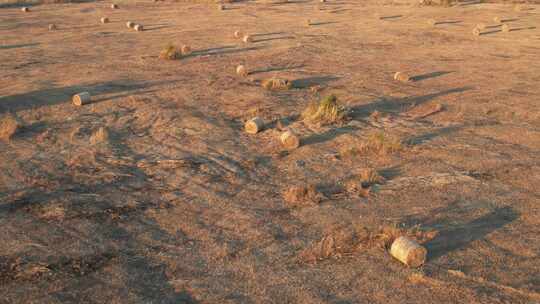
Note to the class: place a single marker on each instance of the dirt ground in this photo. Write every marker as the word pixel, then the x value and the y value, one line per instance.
pixel 175 203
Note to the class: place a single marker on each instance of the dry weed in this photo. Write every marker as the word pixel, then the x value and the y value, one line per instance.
pixel 347 240
pixel 8 127
pixel 99 136
pixel 170 52
pixel 52 212
pixel 274 84
pixel 325 112
pixel 376 144
pixel 296 196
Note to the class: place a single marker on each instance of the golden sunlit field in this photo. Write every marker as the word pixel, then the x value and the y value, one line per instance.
pixel 153 191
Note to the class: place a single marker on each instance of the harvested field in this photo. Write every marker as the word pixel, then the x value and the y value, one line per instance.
pixel 153 192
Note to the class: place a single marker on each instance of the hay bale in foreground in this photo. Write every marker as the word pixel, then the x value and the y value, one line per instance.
pixel 289 140
pixel 254 125
pixel 408 251
pixel 81 99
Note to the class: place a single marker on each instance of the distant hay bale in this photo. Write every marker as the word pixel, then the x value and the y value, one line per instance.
pixel 481 26
pixel 138 27
pixel 275 84
pixel 289 140
pixel 497 19
pixel 402 76
pixel 308 22
pixel 254 125
pixel 130 24
pixel 323 1
pixel 104 20
pixel 8 127
pixel 114 6
pixel 100 136
pixel 185 50
pixel 221 7
pixel 505 28
pixel 82 99
pixel 247 39
pixel 237 34
pixel 25 9
pixel 476 31
pixel 52 27
pixel 241 71
pixel 432 22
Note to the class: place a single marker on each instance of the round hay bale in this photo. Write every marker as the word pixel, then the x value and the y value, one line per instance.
pixel 323 1
pixel 104 20
pixel 432 22
pixel 138 27
pixel 505 28
pixel 221 7
pixel 254 125
pixel 114 6
pixel 25 9
pixel 476 31
pixel 497 19
pixel 289 140
pixel 185 50
pixel 81 99
pixel 52 27
pixel 481 26
pixel 308 22
pixel 247 39
pixel 408 251
pixel 241 71
pixel 130 24
pixel 237 34
pixel 402 76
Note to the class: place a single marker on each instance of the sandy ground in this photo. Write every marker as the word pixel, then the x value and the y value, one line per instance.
pixel 179 205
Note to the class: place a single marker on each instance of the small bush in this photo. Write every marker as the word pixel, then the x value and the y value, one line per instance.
pixel 326 111
pixel 171 52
